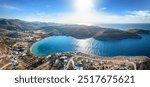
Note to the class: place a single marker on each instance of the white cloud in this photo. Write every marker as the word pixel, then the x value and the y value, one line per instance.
pixel 39 18
pixel 9 7
pixel 103 17
pixel 140 13
pixel 103 8
pixel 94 17
pixel 88 18
pixel 141 16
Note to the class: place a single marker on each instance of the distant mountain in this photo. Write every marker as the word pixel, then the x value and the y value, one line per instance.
pixel 77 31
pixel 16 24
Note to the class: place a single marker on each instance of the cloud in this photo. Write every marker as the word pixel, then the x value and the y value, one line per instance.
pixel 140 16
pixel 103 8
pixel 94 17
pixel 39 18
pixel 9 7
pixel 140 13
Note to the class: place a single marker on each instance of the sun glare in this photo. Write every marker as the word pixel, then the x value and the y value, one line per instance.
pixel 83 5
pixel 83 11
pixel 83 45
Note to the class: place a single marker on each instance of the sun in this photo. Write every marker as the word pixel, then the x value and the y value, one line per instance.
pixel 84 13
pixel 83 5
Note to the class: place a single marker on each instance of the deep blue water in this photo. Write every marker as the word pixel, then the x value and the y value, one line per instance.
pixel 127 26
pixel 126 47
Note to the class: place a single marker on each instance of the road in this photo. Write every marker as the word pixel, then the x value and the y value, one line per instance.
pixel 71 60
pixel 5 66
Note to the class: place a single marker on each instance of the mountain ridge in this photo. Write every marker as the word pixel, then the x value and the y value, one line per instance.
pixel 74 30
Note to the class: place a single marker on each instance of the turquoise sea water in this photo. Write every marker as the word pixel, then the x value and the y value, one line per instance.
pixel 126 47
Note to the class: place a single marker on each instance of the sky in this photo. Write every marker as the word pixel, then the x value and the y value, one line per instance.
pixel 77 11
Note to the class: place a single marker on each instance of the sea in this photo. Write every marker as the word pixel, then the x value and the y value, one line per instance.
pixel 125 47
pixel 127 26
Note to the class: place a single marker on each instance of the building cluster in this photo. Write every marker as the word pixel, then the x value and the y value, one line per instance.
pixel 18 45
pixel 79 61
pixel 33 36
pixel 17 52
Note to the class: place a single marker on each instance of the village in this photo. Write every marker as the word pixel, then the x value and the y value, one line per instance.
pixel 81 61
pixel 18 50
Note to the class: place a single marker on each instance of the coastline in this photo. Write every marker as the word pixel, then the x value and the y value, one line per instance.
pixel 31 47
pixel 33 44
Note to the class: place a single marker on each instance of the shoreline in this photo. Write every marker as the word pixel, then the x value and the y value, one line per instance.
pixel 33 44
pixel 31 47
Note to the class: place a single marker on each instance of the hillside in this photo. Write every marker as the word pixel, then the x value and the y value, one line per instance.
pixel 16 24
pixel 112 34
pixel 82 31
pixel 77 31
